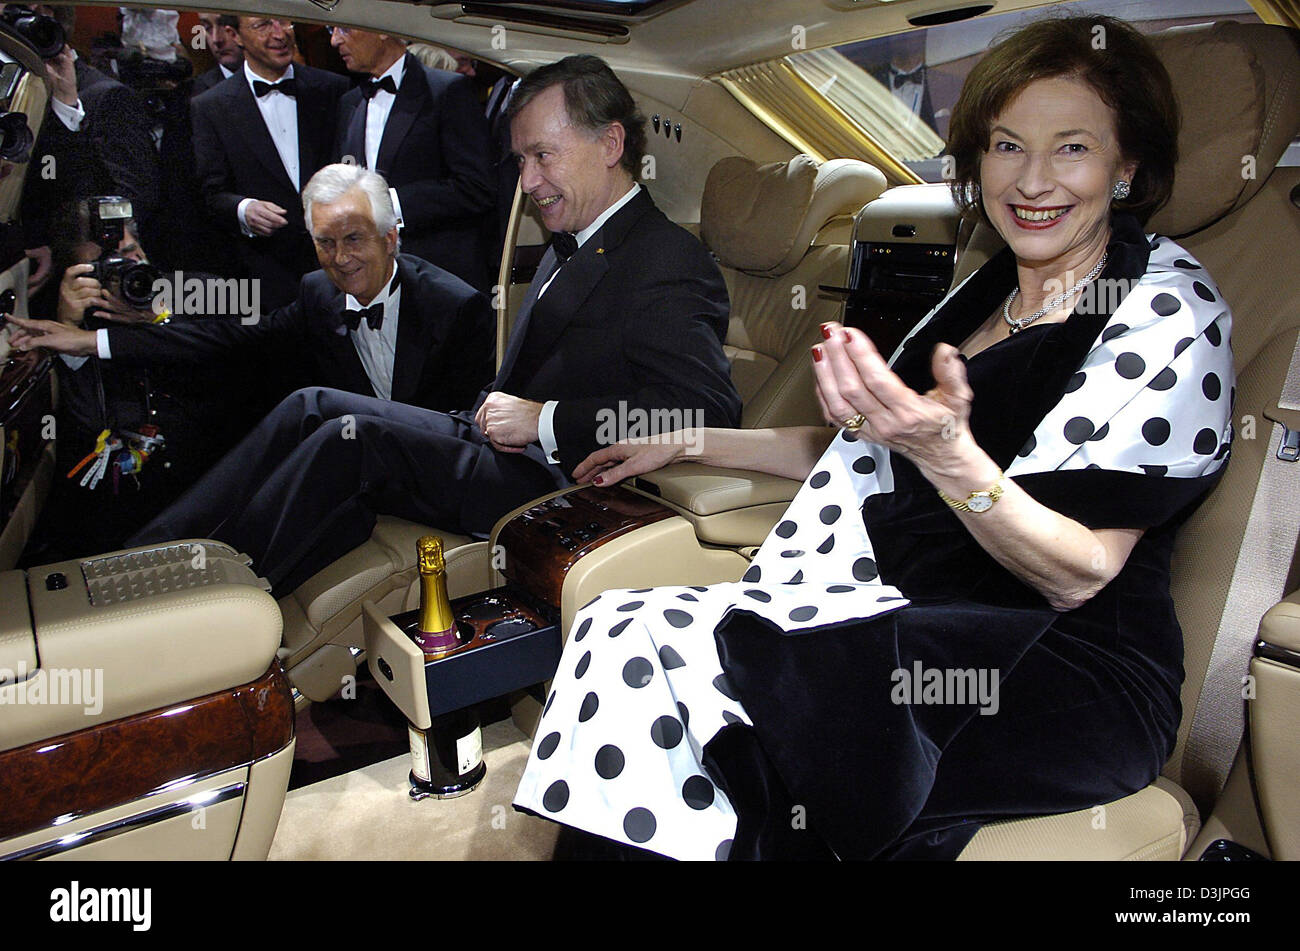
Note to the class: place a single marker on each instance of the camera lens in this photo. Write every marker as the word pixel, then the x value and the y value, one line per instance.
pixel 44 33
pixel 137 284
pixel 15 137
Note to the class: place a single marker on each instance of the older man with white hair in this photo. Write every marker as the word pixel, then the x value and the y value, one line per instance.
pixel 371 321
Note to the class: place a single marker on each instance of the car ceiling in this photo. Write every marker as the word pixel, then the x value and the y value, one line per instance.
pixel 685 39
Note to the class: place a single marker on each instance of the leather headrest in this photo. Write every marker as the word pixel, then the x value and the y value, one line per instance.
pixel 1238 89
pixel 762 218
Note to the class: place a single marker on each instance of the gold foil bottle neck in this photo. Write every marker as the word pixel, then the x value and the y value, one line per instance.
pixel 428 554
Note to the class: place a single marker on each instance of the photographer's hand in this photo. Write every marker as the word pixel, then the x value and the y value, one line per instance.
pixel 62 72
pixel 79 292
pixel 121 312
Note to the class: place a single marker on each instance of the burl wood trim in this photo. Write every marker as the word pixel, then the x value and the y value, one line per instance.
pixel 537 563
pixel 114 763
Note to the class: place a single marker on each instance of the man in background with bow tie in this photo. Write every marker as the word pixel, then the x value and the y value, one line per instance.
pixel 628 317
pixel 424 131
pixel 371 321
pixel 902 69
pixel 258 137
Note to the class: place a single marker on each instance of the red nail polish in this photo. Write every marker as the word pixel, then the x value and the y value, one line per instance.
pixel 817 354
pixel 599 480
pixel 826 331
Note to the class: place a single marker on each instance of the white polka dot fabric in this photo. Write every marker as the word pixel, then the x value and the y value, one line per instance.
pixel 640 689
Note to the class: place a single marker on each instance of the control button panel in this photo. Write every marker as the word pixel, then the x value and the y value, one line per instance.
pixel 131 576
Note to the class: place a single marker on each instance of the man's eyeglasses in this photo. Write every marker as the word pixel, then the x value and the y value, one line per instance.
pixel 266 26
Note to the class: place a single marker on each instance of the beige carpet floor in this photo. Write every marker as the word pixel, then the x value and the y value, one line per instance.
pixel 367 814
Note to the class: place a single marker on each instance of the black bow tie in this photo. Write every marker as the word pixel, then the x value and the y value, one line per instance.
pixel 368 89
pixel 565 245
pixel 287 86
pixel 914 75
pixel 374 317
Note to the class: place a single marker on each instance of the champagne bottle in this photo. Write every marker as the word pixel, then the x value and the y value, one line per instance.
pixel 447 758
pixel 437 634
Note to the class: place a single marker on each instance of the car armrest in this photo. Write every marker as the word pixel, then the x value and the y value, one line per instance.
pixel 733 507
pixel 1281 625
pixel 102 662
pixel 1274 710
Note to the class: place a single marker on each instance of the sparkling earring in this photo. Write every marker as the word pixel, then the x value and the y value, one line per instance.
pixel 1121 190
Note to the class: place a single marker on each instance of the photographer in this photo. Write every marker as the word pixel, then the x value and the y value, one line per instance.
pixel 174 421
pixel 95 140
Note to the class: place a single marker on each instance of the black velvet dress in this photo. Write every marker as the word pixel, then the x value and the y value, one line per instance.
pixel 1088 700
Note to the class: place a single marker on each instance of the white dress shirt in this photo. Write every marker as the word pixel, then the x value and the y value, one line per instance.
pixel 378 348
pixel 908 87
pixel 280 113
pixel 546 422
pixel 378 108
pixel 70 116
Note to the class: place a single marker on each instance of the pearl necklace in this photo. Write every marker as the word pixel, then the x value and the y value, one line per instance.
pixel 1018 324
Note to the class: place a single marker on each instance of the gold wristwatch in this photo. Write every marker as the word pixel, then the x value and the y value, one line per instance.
pixel 976 502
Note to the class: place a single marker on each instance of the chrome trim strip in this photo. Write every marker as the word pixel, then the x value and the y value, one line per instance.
pixel 171 786
pixel 109 830
pixel 1280 655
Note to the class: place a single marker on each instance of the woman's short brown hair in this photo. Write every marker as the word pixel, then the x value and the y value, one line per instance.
pixel 1114 59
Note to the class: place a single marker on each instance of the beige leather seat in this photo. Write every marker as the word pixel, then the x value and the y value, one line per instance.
pixel 1246 231
pixel 778 232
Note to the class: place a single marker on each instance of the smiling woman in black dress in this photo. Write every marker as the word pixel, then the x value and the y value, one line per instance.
pixel 994 636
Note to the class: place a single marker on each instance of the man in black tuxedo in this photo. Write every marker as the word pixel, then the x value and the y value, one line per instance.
pixel 220 29
pixel 902 70
pixel 95 140
pixel 371 321
pixel 256 142
pixel 424 131
pixel 625 318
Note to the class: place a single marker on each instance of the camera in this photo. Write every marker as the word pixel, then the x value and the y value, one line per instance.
pixel 16 137
pixel 43 33
pixel 130 280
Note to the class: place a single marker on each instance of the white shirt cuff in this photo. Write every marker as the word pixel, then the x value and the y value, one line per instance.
pixel 546 432
pixel 74 363
pixel 243 222
pixel 70 116
pixel 101 344
pixel 397 207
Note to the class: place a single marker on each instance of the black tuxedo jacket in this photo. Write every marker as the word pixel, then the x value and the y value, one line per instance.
pixel 434 152
pixel 112 154
pixel 882 73
pixel 634 321
pixel 237 159
pixel 206 80
pixel 445 339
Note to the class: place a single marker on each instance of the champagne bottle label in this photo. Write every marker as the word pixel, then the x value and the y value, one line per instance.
pixel 469 751
pixel 419 753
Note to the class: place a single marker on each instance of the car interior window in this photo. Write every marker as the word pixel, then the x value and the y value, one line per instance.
pixel 900 89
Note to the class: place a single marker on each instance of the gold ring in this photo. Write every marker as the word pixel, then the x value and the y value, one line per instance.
pixel 854 423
